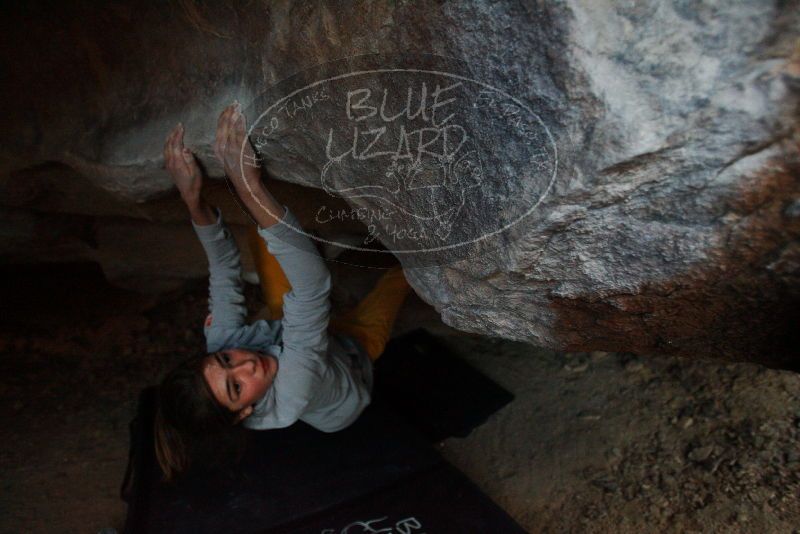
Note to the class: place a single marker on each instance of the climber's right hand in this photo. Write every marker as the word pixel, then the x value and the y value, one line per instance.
pixel 182 166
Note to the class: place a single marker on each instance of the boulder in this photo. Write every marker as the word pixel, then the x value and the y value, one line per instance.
pixel 634 171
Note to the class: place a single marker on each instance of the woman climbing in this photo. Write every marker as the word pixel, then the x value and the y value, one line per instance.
pixel 296 366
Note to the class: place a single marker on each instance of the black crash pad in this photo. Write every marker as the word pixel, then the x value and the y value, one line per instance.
pixel 381 473
pixel 435 391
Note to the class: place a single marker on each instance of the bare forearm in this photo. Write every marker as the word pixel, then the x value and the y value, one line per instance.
pixel 201 211
pixel 233 148
pixel 265 209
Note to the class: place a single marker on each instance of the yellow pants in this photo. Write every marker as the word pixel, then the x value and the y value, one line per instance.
pixel 370 322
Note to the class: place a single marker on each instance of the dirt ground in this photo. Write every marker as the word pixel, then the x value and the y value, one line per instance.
pixel 593 442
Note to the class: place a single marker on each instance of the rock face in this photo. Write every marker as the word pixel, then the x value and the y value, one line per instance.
pixel 671 224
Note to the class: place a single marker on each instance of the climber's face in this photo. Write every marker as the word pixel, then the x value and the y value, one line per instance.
pixel 238 378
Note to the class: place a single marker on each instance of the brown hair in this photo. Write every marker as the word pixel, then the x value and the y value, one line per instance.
pixel 190 425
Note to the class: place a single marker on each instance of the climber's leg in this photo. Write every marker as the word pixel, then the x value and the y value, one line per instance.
pixel 372 320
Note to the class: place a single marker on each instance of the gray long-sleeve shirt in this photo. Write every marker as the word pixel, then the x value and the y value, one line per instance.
pixel 324 380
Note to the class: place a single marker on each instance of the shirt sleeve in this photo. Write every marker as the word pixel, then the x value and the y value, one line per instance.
pixel 226 302
pixel 306 307
pixel 304 365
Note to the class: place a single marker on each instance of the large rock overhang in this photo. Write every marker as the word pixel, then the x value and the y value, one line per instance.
pixel 667 208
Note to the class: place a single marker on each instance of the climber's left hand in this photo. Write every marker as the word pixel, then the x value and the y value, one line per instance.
pixel 234 150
